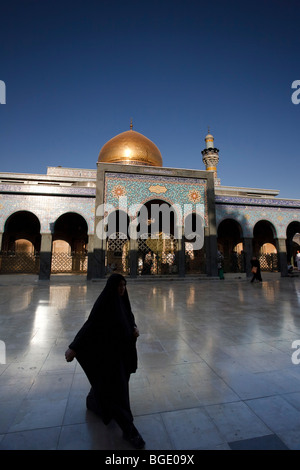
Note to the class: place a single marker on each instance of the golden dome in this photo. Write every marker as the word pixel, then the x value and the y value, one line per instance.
pixel 130 148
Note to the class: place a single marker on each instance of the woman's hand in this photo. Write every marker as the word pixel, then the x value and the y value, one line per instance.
pixel 69 355
pixel 136 332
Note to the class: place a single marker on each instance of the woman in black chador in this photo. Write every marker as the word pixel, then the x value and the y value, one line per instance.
pixel 255 269
pixel 105 347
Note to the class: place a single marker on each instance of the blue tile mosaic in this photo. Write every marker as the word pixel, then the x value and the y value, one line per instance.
pixel 130 189
pixel 47 208
pixel 248 216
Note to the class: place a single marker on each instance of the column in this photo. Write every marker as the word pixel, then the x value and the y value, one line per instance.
pixel 248 252
pixel 45 256
pixel 98 264
pixel 282 256
pixel 133 246
pixel 211 251
pixel 1 235
pixel 210 232
pixel 290 251
pixel 181 253
pixel 90 257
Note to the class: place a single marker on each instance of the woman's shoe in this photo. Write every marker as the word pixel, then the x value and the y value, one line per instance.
pixel 91 403
pixel 135 440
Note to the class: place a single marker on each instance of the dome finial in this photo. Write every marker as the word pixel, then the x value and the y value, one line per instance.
pixel 131 126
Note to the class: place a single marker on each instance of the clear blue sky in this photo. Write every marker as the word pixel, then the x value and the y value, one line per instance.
pixel 77 71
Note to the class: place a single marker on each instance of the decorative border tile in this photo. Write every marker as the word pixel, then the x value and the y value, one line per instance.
pixel 184 192
pixel 47 209
pixel 247 216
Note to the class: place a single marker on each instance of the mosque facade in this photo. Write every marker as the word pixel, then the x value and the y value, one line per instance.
pixel 134 216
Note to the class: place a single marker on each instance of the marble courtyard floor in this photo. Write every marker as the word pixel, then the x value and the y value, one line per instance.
pixel 215 365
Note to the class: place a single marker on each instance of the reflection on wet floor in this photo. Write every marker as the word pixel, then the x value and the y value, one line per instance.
pixel 215 364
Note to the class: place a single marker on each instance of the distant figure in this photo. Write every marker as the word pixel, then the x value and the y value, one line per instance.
pixel 105 347
pixel 148 262
pixel 290 269
pixel 255 269
pixel 220 259
pixel 298 260
pixel 110 268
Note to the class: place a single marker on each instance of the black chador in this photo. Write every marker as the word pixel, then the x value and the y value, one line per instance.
pixel 105 347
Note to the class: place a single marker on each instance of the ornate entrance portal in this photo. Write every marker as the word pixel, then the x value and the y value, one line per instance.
pixel 157 255
pixel 153 222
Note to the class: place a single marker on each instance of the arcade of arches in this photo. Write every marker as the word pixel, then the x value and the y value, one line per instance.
pixel 264 245
pixel 21 245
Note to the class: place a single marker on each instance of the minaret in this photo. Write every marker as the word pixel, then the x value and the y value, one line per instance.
pixel 210 156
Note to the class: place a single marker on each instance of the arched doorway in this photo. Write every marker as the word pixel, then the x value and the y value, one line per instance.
pixel 117 243
pixel 69 244
pixel 292 242
pixel 230 244
pixel 264 245
pixel 21 244
pixel 157 252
